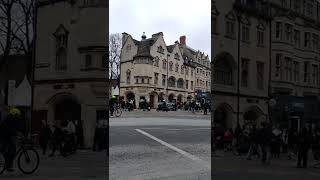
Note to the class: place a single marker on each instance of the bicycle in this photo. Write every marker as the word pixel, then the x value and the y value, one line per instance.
pixel 117 110
pixel 24 155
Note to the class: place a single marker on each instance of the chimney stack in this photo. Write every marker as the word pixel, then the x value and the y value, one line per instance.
pixel 183 40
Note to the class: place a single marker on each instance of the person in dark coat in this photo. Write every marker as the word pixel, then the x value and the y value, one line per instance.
pixel 56 138
pixel 265 136
pixel 205 108
pixel 304 143
pixel 44 136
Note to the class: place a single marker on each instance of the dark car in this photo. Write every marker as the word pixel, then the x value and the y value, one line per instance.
pixel 162 106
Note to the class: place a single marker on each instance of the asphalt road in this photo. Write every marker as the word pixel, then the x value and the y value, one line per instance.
pixel 160 145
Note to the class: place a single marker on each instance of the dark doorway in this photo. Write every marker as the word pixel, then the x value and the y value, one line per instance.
pixel 67 109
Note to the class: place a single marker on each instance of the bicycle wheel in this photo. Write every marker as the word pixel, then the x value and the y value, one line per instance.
pixel 28 161
pixel 2 163
pixel 118 112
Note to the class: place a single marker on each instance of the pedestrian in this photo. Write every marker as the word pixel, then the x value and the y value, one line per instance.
pixel 205 108
pixel 265 135
pixel 292 143
pixel 44 136
pixel 304 142
pixel 253 139
pixel 71 132
pixel 112 104
pixel 56 139
pixel 227 139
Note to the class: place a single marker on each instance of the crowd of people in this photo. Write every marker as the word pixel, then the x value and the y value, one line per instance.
pixel 269 142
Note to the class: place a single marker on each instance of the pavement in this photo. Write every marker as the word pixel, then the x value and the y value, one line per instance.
pixel 160 145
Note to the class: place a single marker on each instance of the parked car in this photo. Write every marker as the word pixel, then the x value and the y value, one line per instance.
pixel 172 106
pixel 162 106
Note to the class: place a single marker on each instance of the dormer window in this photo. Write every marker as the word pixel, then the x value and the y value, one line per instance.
pixel 160 50
pixel 176 56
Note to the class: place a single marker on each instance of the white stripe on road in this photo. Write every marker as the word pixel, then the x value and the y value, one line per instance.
pixel 186 154
pixel 177 129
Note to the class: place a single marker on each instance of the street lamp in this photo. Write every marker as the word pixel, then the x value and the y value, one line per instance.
pixel 167 95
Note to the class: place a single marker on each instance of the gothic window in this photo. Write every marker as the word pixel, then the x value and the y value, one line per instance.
pixel 244 72
pixel 307 38
pixel 278 66
pixel 61 59
pixel 187 70
pixel 182 69
pixel 156 78
pixel 288 32
pixel 296 71
pixel 223 72
pixel 128 76
pixel 164 77
pixel 260 75
pixel 171 66
pixel 176 56
pixel 156 62
pixel 315 40
pixel 61 41
pixel 180 83
pixel 160 50
pixel 278 30
pixel 297 38
pixel 230 25
pixel 172 81
pixel 177 67
pixel 164 64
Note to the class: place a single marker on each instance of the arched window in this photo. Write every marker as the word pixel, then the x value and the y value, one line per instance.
pixel 156 62
pixel 164 64
pixel 128 76
pixel 180 83
pixel 222 72
pixel 61 59
pixel 171 66
pixel 177 67
pixel 172 81
pixel 182 69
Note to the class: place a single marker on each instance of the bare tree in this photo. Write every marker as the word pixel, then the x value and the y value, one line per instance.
pixel 16 30
pixel 115 44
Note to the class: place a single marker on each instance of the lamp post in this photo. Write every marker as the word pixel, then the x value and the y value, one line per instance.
pixel 167 95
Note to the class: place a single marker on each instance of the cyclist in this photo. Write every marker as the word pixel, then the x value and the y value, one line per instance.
pixel 112 104
pixel 14 125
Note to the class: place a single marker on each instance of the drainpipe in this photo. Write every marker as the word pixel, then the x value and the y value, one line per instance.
pixel 238 68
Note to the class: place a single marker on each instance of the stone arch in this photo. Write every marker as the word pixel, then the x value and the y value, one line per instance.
pixel 130 96
pixel 224 69
pixel 62 107
pixel 171 97
pixel 223 115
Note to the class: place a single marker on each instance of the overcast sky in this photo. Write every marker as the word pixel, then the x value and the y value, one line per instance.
pixel 172 17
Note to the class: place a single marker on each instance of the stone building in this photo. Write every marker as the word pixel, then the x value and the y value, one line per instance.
pixel 153 71
pixel 279 40
pixel 70 78
pixel 240 66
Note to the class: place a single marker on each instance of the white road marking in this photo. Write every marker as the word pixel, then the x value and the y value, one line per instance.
pixel 186 154
pixel 177 129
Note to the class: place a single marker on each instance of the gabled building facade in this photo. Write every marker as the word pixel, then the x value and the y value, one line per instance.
pixel 153 71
